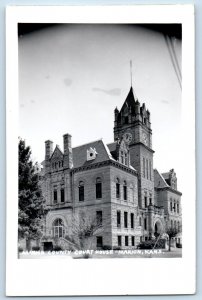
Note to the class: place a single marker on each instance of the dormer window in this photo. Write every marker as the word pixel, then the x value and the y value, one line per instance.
pixel 91 154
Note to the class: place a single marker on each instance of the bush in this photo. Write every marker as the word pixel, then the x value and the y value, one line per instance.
pixel 107 247
pixel 151 243
pixel 20 249
pixel 117 248
pixel 57 248
pixel 36 248
pixel 178 245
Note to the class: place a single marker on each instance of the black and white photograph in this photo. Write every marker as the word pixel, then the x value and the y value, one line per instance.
pixel 98 152
pixel 101 107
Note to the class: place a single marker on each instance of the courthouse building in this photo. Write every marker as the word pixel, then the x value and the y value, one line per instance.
pixel 115 184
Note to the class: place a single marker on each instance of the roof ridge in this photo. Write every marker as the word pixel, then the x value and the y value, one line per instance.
pixel 88 143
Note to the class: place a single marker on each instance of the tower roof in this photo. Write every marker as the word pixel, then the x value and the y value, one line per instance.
pixel 130 100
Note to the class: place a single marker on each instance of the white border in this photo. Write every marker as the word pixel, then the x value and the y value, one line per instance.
pixel 110 276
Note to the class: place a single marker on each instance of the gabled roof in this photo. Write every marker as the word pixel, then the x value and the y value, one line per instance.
pixel 57 152
pixel 80 154
pixel 159 181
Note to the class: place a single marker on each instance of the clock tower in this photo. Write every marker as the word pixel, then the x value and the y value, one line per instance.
pixel 132 123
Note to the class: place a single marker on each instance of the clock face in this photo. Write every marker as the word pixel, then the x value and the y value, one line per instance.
pixel 145 139
pixel 127 137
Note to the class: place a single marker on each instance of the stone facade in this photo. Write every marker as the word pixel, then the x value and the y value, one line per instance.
pixel 113 187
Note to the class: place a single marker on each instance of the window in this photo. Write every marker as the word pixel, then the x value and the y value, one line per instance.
pixel 62 195
pixel 145 224
pixel 122 157
pixel 125 190
pixel 171 223
pixel 132 220
pixel 175 224
pixel 145 201
pixel 171 205
pixel 58 228
pixel 126 120
pixel 140 221
pixel 174 207
pixel 143 167
pixel 125 219
pixel 98 188
pixel 147 168
pixel 118 218
pixel 81 191
pixel 117 188
pixel 150 170
pixel 126 158
pixel 99 217
pixel 150 199
pixel 119 241
pixel 178 208
pixel 55 196
pixel 126 240
pixel 132 241
pixel 99 242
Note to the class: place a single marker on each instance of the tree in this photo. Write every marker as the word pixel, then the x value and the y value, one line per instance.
pixel 84 228
pixel 171 232
pixel 31 206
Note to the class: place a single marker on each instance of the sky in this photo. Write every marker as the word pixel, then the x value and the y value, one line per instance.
pixel 71 78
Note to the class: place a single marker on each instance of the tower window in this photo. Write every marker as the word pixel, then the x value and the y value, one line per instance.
pixel 98 188
pixel 117 188
pixel 143 167
pixel 150 170
pixel 81 191
pixel 145 200
pixel 147 169
pixel 125 190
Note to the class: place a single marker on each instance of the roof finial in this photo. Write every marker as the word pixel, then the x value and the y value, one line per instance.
pixel 131 73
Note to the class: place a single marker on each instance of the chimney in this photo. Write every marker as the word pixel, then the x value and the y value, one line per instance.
pixel 48 149
pixel 68 158
pixel 116 112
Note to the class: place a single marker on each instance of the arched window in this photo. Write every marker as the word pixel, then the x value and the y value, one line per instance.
pixel 98 187
pixel 125 190
pixel 81 191
pixel 117 188
pixel 58 228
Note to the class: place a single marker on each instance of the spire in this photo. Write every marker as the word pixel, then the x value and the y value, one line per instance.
pixel 131 73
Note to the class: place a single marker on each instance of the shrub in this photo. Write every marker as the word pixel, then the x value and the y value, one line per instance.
pixel 57 248
pixel 151 243
pixel 117 248
pixel 178 245
pixel 107 247
pixel 20 249
pixel 36 248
